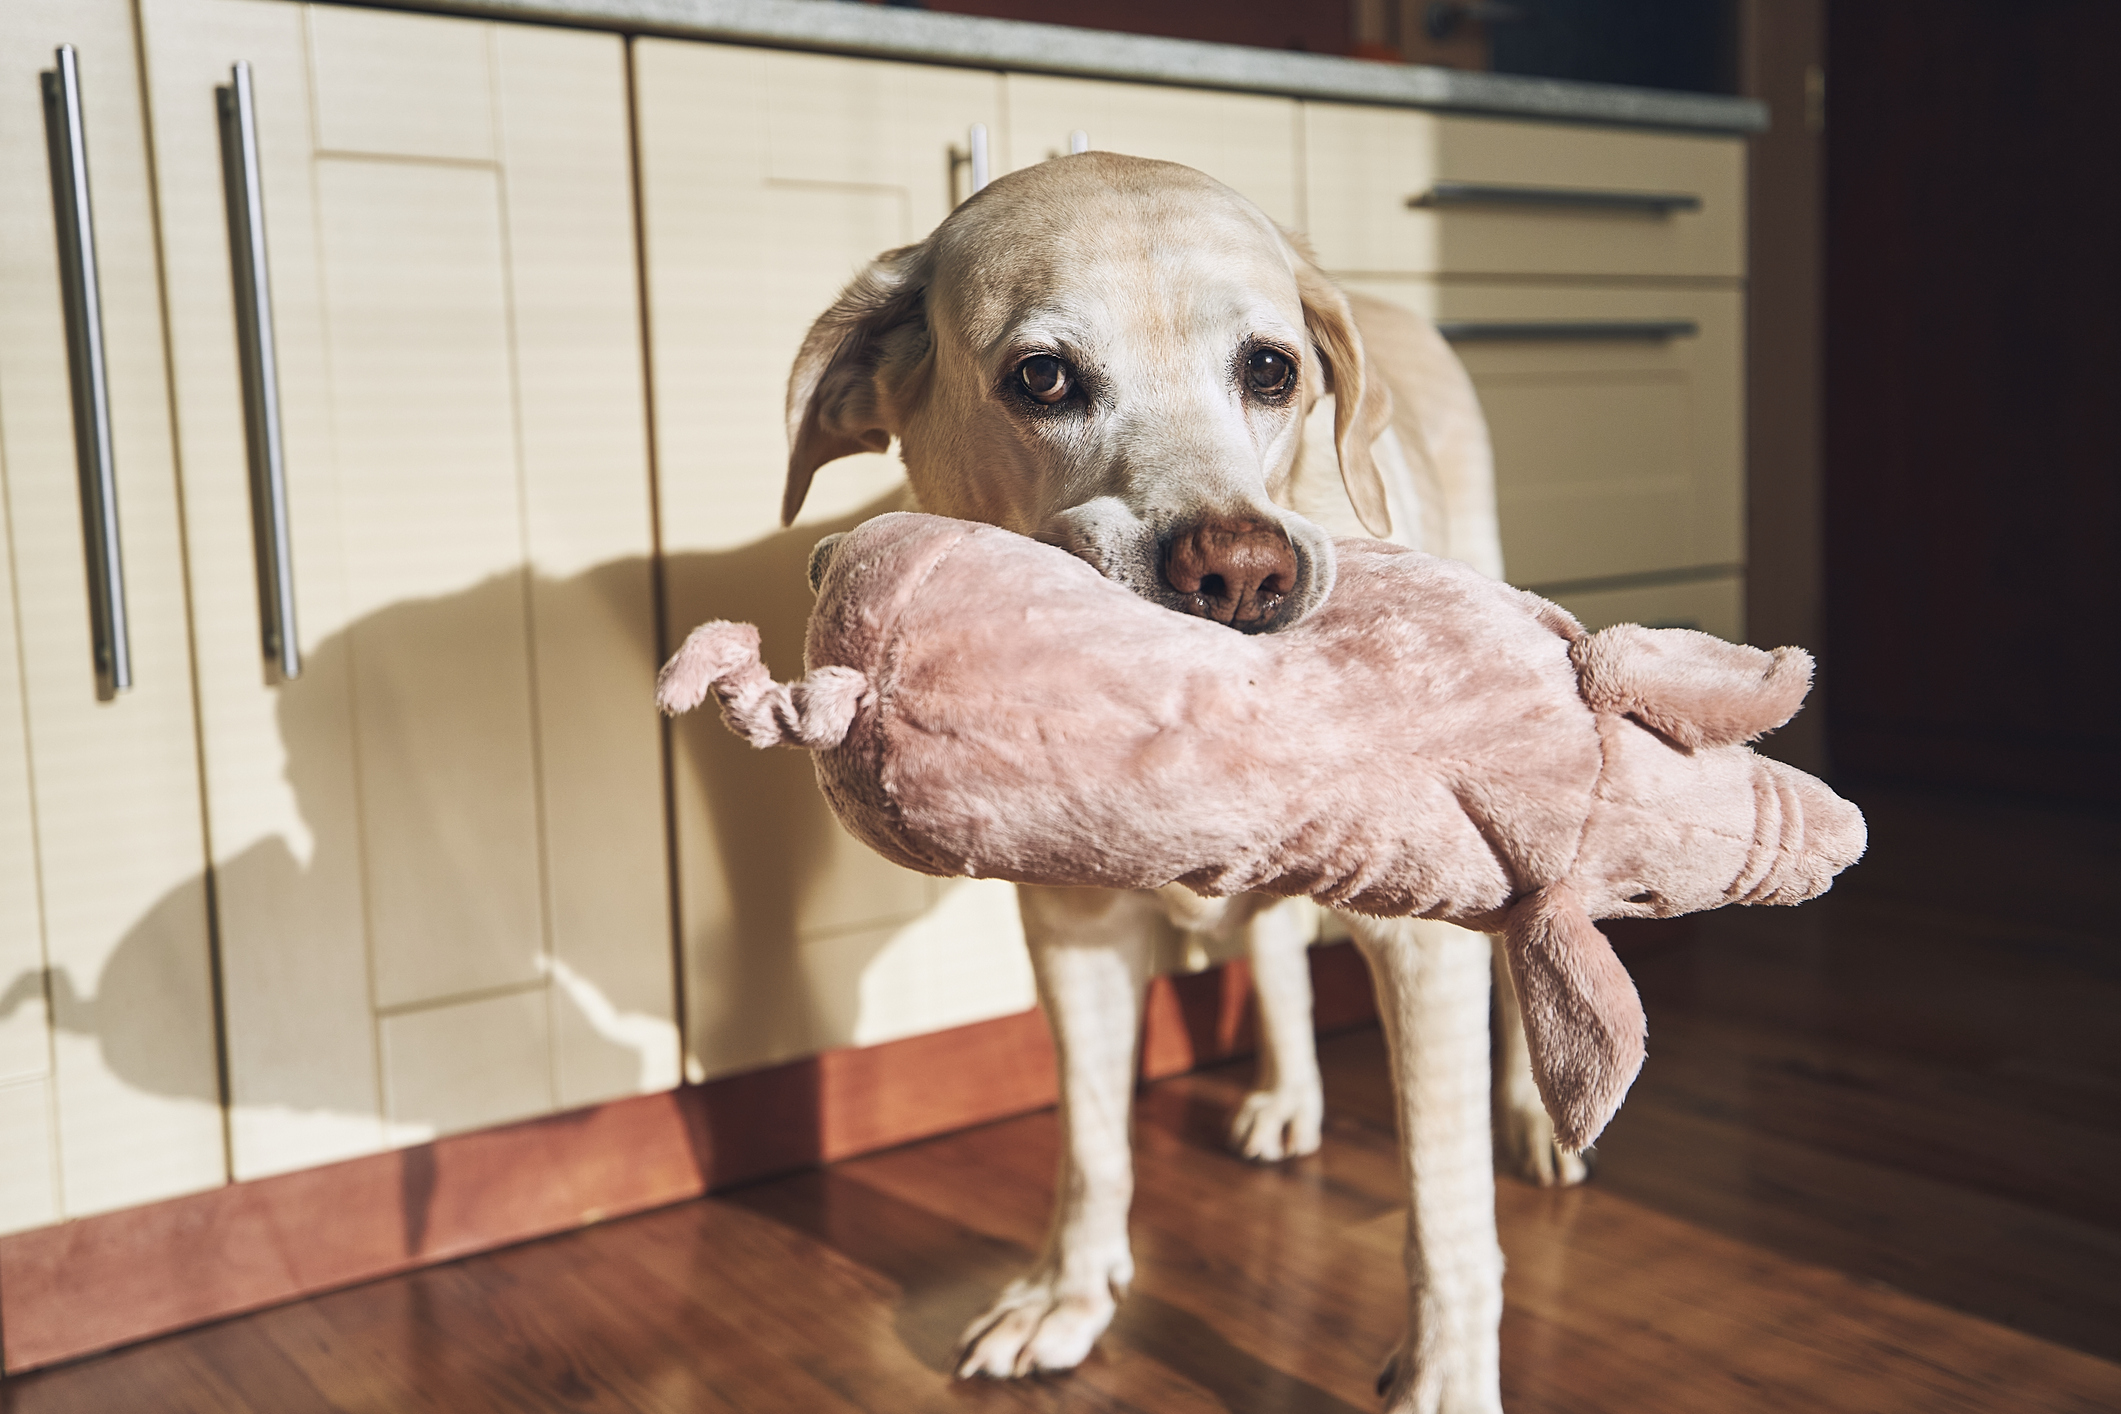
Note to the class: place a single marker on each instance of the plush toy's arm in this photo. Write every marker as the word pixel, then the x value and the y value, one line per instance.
pixel 723 658
pixel 1690 687
pixel 1583 1018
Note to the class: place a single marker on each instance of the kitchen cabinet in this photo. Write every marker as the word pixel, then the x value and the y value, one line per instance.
pixel 109 1088
pixel 1615 414
pixel 768 180
pixel 378 845
pixel 1394 191
pixel 1247 141
pixel 1593 282
pixel 439 865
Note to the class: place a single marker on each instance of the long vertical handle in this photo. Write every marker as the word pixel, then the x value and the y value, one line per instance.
pixel 976 152
pixel 82 301
pixel 261 378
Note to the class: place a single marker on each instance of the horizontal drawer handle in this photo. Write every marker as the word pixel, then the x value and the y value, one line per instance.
pixel 1650 203
pixel 1573 331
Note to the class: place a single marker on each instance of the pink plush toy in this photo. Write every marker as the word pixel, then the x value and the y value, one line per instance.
pixel 1428 742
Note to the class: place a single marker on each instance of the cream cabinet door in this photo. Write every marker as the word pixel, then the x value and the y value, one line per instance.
pixel 109 1091
pixel 1712 601
pixel 1393 191
pixel 438 851
pixel 767 181
pixel 1247 141
pixel 1618 451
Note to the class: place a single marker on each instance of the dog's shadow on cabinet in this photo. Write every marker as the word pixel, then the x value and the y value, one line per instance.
pixel 775 916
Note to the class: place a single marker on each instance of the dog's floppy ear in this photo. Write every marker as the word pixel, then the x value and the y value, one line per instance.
pixel 852 372
pixel 1362 404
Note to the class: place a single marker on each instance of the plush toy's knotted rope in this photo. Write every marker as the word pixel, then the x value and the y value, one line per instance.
pixel 723 658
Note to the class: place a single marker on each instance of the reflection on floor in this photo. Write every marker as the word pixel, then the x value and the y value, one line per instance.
pixel 1868 1168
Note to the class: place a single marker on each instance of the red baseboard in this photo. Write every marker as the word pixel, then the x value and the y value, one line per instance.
pixel 95 1283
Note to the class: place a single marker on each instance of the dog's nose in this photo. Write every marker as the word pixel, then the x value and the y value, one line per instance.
pixel 1234 571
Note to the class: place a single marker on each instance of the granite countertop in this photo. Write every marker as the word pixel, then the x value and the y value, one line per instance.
pixel 882 32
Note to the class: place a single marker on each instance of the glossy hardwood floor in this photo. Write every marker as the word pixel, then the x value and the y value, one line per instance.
pixel 1868 1168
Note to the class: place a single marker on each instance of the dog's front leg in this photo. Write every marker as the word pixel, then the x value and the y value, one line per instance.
pixel 1432 992
pixel 1281 1118
pixel 1090 953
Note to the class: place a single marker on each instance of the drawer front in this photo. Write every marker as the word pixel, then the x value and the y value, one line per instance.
pixel 1616 452
pixel 1393 191
pixel 1247 141
pixel 1714 605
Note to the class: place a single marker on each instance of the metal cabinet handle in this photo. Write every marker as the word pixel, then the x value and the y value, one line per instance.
pixel 261 379
pixel 82 300
pixel 1648 203
pixel 1482 331
pixel 1078 141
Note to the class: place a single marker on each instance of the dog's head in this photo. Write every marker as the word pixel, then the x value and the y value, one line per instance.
pixel 1113 355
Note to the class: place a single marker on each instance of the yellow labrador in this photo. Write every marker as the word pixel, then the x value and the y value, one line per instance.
pixel 1124 358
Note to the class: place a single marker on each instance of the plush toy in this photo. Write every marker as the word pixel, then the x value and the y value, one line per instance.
pixel 1428 742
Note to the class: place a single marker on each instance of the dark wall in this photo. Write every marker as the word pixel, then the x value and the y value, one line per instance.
pixel 1682 44
pixel 1319 26
pixel 1973 394
pixel 1785 49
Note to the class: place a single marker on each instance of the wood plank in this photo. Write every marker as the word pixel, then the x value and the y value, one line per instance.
pixel 1260 1288
pixel 85 1286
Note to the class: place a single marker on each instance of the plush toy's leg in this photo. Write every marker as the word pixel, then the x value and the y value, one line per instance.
pixel 1090 952
pixel 1433 992
pixel 1281 1118
pixel 1583 1020
pixel 1524 1132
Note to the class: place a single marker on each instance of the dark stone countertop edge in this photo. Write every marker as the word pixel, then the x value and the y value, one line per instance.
pixel 968 41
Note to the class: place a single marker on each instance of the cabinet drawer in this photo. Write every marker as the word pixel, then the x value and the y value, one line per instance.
pixel 1714 605
pixel 1394 191
pixel 1247 141
pixel 1616 452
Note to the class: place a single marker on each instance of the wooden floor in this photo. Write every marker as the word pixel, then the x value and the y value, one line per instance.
pixel 1868 1168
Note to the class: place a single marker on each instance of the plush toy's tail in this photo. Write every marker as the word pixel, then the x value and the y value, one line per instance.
pixel 723 658
pixel 1582 1018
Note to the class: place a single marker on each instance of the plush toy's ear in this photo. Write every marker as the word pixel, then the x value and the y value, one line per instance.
pixel 1583 1020
pixel 858 365
pixel 1362 404
pixel 821 559
pixel 1691 688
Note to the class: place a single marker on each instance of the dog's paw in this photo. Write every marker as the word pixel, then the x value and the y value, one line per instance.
pixel 1284 1123
pixel 1409 1385
pixel 1047 1320
pixel 1525 1147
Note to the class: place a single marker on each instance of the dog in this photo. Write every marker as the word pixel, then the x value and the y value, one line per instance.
pixel 1127 359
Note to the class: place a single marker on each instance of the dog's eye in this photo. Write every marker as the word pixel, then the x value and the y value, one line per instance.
pixel 1045 378
pixel 1269 373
